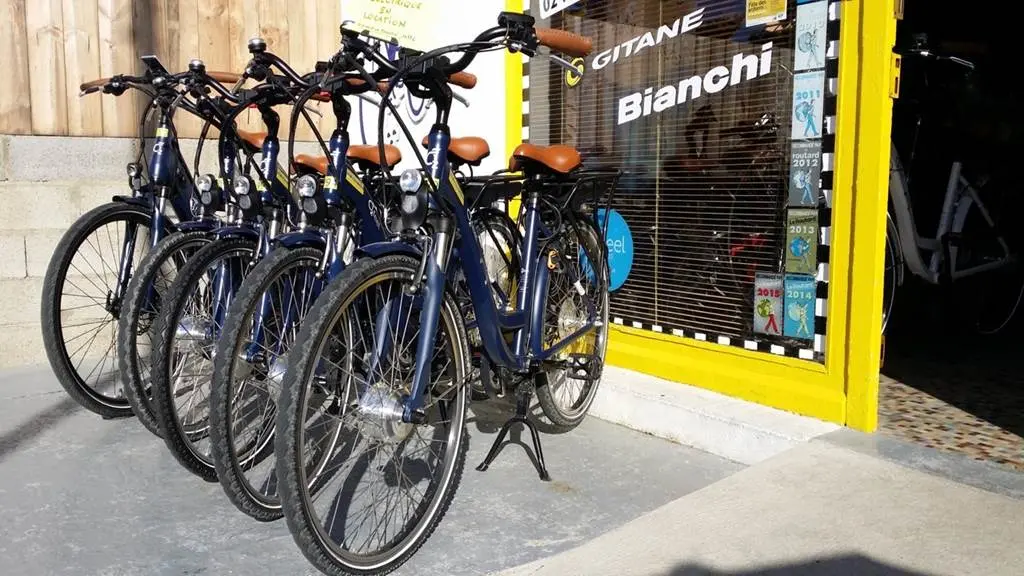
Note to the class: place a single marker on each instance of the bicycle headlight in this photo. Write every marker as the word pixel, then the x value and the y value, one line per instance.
pixel 242 186
pixel 410 180
pixel 413 202
pixel 134 169
pixel 204 183
pixel 306 186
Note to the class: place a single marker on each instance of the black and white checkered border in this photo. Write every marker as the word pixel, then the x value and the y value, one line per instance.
pixel 755 344
pixel 828 146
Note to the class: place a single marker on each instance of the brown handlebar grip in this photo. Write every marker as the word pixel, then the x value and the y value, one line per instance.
pixel 463 80
pixel 97 83
pixel 564 42
pixel 382 86
pixel 225 77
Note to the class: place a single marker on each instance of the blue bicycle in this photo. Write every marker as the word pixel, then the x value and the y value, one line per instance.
pixel 194 309
pixel 88 276
pixel 156 272
pixel 339 211
pixel 393 339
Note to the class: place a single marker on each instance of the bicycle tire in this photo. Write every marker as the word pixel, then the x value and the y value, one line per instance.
pixel 224 392
pixel 304 357
pixel 137 389
pixel 52 331
pixel 164 330
pixel 565 420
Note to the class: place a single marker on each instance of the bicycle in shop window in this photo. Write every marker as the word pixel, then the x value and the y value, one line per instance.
pixel 721 213
pixel 391 328
pixel 975 242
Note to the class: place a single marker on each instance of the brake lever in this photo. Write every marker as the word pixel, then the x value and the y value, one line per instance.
pixel 566 64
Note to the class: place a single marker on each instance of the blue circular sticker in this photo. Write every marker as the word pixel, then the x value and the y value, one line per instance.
pixel 620 248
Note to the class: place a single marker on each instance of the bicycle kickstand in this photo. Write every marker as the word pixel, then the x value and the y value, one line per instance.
pixel 524 393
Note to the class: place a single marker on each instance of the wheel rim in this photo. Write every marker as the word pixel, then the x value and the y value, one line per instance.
pixel 386 444
pixel 191 348
pixel 573 396
pixel 85 299
pixel 254 388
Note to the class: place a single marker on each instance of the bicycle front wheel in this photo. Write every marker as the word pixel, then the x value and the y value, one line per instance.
pixel 149 285
pixel 184 338
pixel 81 303
pixel 360 489
pixel 248 368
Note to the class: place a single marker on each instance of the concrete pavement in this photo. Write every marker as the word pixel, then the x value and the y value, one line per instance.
pixel 83 496
pixel 824 508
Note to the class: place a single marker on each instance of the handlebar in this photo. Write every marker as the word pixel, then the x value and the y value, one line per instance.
pixel 925 53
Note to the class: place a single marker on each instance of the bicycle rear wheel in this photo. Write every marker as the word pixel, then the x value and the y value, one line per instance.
pixel 184 339
pixel 81 303
pixel 247 375
pixel 341 446
pixel 568 385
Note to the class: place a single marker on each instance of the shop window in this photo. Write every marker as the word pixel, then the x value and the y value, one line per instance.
pixel 721 115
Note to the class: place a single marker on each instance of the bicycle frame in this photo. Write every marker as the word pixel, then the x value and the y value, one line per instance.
pixel 165 164
pixel 526 320
pixel 350 193
pixel 960 197
pixel 228 277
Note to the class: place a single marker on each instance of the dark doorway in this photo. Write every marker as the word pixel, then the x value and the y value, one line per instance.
pixel 946 381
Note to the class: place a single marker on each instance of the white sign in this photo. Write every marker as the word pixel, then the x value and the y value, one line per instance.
pixel 416 24
pixel 549 8
pixel 808 104
pixel 678 27
pixel 744 67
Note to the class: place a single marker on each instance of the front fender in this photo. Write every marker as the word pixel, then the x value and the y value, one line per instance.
pixel 301 239
pixel 236 232
pixel 145 200
pixel 388 248
pixel 198 226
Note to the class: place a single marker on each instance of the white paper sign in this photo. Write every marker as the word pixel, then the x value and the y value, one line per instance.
pixel 416 24
pixel 549 8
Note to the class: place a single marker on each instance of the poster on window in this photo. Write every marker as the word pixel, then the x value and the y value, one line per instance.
pixel 800 295
pixel 801 241
pixel 768 289
pixel 765 12
pixel 808 107
pixel 805 173
pixel 811 23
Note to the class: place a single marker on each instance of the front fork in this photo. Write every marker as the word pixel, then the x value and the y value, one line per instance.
pixel 157 229
pixel 435 264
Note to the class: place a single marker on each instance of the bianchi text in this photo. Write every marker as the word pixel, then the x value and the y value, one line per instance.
pixel 744 67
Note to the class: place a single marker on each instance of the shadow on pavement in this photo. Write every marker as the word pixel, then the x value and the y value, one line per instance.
pixel 850 565
pixel 34 426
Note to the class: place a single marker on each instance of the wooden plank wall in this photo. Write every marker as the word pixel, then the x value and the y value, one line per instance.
pixel 49 47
